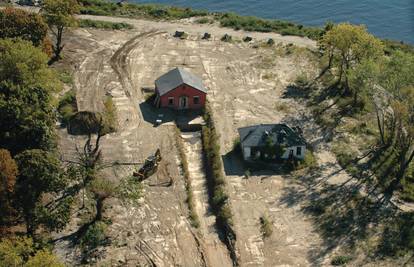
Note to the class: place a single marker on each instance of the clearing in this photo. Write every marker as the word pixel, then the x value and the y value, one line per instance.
pixel 248 84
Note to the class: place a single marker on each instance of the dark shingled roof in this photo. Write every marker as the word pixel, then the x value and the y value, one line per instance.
pixel 255 136
pixel 177 77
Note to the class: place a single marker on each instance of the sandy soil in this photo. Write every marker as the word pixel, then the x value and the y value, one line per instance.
pixel 246 85
pixel 215 251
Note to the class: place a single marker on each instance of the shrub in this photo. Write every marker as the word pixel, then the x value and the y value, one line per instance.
pixel 67 107
pixel 407 193
pixel 129 190
pixel 340 260
pixel 65 77
pixel 265 226
pixel 155 11
pixel 302 80
pixel 249 23
pixel 216 181
pixel 109 115
pixel 309 161
pixel 94 237
pixel 86 23
pixel 203 20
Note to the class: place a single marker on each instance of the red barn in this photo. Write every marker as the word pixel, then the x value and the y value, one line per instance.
pixel 180 89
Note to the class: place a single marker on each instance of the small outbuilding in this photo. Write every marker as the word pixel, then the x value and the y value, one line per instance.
pixel 265 141
pixel 180 89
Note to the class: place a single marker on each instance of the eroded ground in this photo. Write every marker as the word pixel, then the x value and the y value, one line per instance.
pixel 246 83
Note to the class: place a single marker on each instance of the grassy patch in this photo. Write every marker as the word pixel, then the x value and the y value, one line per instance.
pixel 153 11
pixel 109 114
pixel 341 260
pixel 129 191
pixel 87 23
pixel 65 76
pixel 204 21
pixel 67 107
pixel 265 226
pixel 94 237
pixel 195 221
pixel 238 22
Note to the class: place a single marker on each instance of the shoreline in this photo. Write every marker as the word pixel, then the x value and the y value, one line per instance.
pixel 148 11
pixel 199 29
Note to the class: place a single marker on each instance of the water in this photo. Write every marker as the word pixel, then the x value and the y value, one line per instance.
pixel 391 19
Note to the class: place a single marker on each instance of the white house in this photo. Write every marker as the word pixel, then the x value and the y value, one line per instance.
pixel 255 140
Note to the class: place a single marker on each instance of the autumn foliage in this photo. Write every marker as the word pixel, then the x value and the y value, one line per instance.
pixel 8 173
pixel 17 23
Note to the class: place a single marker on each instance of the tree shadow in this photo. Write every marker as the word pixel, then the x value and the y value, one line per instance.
pixel 234 165
pixel 345 217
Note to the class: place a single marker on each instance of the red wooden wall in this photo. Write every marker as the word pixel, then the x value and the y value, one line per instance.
pixel 184 90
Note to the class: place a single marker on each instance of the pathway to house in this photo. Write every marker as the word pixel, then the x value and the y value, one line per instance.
pixel 215 251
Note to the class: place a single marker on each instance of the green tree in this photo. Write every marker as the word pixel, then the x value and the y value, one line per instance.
pixel 27 119
pixel 21 251
pixel 397 72
pixel 346 45
pixel 25 65
pixel 16 251
pixel 8 173
pixel 404 135
pixel 43 258
pixel 363 79
pixel 18 23
pixel 39 173
pixel 59 14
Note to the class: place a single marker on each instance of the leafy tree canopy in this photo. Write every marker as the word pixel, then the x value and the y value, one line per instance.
pixel 8 173
pixel 39 173
pixel 17 23
pixel 23 64
pixel 59 14
pixel 347 45
pixel 21 251
pixel 27 118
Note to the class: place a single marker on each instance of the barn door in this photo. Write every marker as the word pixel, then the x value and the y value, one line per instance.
pixel 183 102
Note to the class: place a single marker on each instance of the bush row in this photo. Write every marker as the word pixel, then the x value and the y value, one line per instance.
pixel 195 222
pixel 249 23
pixel 219 198
pixel 87 23
pixel 154 11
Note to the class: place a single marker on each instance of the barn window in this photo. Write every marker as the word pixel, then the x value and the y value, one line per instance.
pixel 196 100
pixel 299 151
pixel 171 101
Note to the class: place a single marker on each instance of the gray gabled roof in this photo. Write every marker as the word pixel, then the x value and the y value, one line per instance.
pixel 177 77
pixel 255 136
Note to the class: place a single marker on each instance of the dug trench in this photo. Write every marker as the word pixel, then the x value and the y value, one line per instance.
pixel 215 240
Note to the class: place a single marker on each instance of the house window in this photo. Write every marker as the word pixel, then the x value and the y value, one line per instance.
pixel 170 101
pixel 196 100
pixel 299 151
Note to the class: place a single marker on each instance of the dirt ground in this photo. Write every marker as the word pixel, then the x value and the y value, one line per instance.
pixel 247 85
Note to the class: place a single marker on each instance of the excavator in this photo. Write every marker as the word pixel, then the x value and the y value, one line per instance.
pixel 150 166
